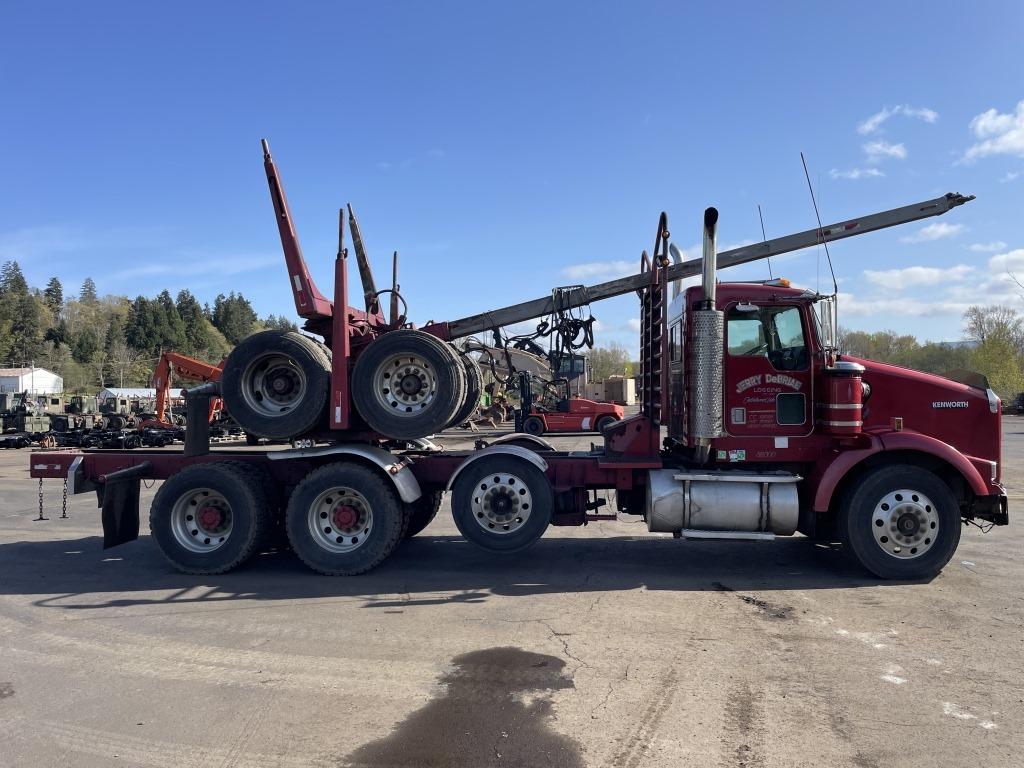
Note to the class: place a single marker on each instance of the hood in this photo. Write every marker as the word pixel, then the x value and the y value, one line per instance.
pixel 964 415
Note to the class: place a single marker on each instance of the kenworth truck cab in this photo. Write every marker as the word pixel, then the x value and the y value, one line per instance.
pixel 854 431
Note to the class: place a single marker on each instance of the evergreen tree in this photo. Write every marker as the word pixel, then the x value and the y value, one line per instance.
pixel 197 328
pixel 54 296
pixel 234 316
pixel 88 294
pixel 12 282
pixel 141 330
pixel 281 323
pixel 27 329
pixel 172 327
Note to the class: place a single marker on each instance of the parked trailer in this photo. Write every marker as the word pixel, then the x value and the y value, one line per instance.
pixel 751 426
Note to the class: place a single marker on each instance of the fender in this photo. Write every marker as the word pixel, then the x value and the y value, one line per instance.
pixel 827 480
pixel 511 450
pixel 523 437
pixel 396 470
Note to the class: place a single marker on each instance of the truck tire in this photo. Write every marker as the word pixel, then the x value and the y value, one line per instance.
pixel 604 422
pixel 344 519
pixel 502 503
pixel 534 425
pixel 408 384
pixel 474 388
pixel 276 384
pixel 422 512
pixel 900 522
pixel 210 518
pixel 60 424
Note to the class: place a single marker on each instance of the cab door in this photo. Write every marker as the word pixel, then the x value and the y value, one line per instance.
pixel 768 376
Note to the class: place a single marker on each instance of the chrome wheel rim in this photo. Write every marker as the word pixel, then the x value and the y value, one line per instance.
pixel 905 524
pixel 405 384
pixel 340 519
pixel 201 520
pixel 501 503
pixel 273 384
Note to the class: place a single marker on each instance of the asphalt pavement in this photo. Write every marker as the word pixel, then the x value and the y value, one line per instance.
pixel 600 646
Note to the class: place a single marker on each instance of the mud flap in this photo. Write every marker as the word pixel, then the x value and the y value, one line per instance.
pixel 118 497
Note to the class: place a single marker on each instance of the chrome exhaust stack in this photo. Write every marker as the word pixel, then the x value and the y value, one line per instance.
pixel 706 360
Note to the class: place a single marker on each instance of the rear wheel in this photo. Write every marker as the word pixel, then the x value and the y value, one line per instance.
pixel 604 422
pixel 422 512
pixel 408 384
pixel 900 522
pixel 344 519
pixel 502 503
pixel 210 518
pixel 474 388
pixel 534 425
pixel 276 384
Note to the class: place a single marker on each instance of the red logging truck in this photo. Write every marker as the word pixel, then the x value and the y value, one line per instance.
pixel 751 426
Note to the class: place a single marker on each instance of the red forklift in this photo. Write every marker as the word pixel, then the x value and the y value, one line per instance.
pixel 548 407
pixel 751 425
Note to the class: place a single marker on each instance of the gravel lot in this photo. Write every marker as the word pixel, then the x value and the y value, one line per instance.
pixel 602 646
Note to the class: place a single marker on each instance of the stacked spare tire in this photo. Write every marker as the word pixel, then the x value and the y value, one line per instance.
pixel 405 385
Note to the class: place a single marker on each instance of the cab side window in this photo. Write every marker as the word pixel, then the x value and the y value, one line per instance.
pixel 773 332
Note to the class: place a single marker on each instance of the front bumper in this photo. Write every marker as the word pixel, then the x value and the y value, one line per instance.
pixel 995 508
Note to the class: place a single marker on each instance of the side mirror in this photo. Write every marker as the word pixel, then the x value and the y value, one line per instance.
pixel 827 321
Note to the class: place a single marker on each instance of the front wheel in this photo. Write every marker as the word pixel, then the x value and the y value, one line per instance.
pixel 604 422
pixel 534 425
pixel 900 522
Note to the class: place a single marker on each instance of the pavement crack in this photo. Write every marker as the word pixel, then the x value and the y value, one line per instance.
pixel 560 636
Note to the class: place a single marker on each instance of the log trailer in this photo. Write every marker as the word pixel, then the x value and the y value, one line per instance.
pixel 751 426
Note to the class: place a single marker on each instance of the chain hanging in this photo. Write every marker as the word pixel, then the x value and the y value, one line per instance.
pixel 64 502
pixel 41 502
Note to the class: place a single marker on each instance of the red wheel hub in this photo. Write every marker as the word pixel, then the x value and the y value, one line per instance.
pixel 345 516
pixel 210 518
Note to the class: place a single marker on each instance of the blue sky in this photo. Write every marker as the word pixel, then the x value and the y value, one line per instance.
pixel 506 149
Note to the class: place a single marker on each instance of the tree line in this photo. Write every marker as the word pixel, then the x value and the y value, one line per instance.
pixel 93 341
pixel 993 346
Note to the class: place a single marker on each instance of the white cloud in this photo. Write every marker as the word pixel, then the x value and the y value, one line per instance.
pixel 601 269
pixel 880 149
pixel 898 279
pixel 873 123
pixel 932 232
pixel 1009 176
pixel 1011 261
pixel 998 133
pixel 856 173
pixel 208 264
pixel 996 245
pixel 905 306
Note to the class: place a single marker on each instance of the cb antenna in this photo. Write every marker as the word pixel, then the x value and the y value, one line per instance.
pixel 807 175
pixel 764 239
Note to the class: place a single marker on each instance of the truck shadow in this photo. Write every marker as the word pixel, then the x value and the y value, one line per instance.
pixel 427 570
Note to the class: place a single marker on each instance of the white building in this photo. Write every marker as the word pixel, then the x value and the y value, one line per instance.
pixel 36 381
